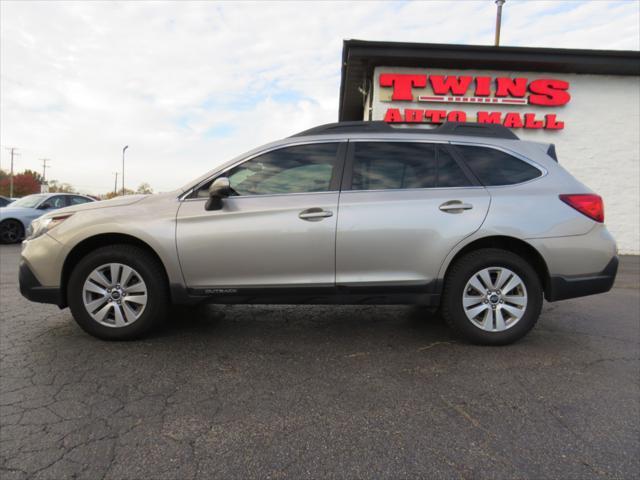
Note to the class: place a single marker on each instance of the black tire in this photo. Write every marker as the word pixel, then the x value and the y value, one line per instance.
pixel 11 231
pixel 151 271
pixel 462 271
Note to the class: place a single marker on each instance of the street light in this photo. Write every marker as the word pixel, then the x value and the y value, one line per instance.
pixel 123 150
pixel 499 3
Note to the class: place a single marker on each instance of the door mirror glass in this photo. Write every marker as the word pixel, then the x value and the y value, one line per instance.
pixel 219 189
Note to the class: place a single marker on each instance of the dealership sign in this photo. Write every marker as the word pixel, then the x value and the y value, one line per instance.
pixel 496 97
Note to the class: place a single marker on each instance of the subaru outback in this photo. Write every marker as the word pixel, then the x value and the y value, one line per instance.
pixel 464 218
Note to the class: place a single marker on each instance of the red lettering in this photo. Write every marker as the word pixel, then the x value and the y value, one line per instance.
pixel 483 87
pixel 456 85
pixel 531 122
pixel 512 120
pixel 436 116
pixel 402 84
pixel 393 115
pixel 486 117
pixel 551 122
pixel 549 92
pixel 457 116
pixel 511 87
pixel 413 116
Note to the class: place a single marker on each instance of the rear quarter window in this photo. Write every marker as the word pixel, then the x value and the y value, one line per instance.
pixel 494 167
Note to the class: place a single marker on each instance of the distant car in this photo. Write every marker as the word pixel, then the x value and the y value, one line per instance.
pixel 4 201
pixel 16 217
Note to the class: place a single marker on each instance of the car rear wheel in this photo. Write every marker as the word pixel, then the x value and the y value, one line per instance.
pixel 11 231
pixel 492 297
pixel 118 292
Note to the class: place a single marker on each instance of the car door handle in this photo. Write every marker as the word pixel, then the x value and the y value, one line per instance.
pixel 314 214
pixel 455 206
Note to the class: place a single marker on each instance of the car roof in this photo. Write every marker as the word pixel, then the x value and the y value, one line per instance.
pixel 55 194
pixel 50 194
pixel 456 129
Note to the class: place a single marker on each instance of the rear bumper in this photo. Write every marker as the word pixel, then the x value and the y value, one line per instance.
pixel 31 289
pixel 564 287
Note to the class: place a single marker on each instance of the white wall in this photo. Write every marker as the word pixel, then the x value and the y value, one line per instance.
pixel 599 145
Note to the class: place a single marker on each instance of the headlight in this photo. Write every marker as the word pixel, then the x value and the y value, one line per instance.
pixel 40 226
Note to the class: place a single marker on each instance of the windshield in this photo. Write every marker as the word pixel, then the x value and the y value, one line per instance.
pixel 30 201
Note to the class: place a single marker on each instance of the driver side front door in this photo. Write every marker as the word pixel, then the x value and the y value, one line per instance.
pixel 278 230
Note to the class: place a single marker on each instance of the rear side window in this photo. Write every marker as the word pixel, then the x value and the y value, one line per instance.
pixel 393 165
pixel 74 200
pixel 493 167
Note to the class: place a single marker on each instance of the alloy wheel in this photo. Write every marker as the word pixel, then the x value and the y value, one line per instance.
pixel 494 299
pixel 114 295
pixel 10 231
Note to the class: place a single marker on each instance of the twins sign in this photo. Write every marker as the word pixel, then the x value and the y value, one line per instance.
pixel 495 98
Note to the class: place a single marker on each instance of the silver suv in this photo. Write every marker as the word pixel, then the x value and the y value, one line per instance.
pixel 464 217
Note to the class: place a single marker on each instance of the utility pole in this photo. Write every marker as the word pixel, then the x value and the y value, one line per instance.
pixel 115 185
pixel 123 150
pixel 44 169
pixel 499 3
pixel 12 149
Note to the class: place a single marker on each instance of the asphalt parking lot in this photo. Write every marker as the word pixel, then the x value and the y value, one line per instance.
pixel 314 392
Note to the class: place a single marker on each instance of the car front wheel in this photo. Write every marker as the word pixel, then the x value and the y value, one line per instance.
pixel 492 297
pixel 11 231
pixel 118 292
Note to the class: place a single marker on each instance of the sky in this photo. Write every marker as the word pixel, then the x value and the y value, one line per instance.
pixel 189 85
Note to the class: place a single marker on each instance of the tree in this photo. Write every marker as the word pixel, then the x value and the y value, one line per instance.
pixel 58 187
pixel 35 175
pixel 110 195
pixel 144 188
pixel 24 183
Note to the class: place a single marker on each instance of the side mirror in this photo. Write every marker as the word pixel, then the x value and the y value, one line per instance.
pixel 219 189
pixel 44 206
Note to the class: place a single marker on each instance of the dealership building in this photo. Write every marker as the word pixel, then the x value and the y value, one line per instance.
pixel 586 102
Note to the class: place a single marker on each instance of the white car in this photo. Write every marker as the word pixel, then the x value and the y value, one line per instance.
pixel 16 217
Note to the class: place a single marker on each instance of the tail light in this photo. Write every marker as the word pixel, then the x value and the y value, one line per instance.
pixel 588 204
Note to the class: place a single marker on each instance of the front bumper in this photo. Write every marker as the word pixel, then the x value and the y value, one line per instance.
pixel 40 270
pixel 31 289
pixel 563 287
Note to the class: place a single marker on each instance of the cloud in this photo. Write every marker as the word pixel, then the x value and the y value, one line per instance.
pixel 190 84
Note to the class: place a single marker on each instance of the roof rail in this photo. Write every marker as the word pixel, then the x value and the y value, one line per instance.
pixel 468 129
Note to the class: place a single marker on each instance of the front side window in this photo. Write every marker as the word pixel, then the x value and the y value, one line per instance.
pixel 296 169
pixel 494 167
pixel 54 202
pixel 393 165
